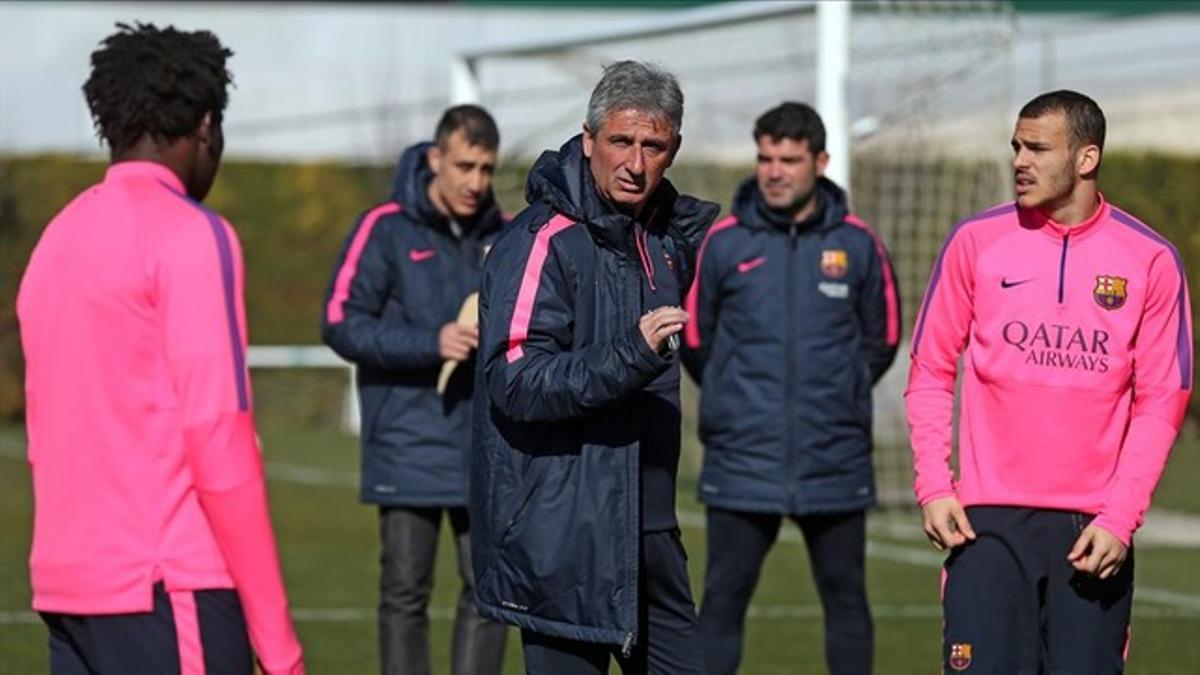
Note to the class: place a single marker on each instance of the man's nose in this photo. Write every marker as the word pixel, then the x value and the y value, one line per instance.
pixel 637 163
pixel 477 182
pixel 1020 159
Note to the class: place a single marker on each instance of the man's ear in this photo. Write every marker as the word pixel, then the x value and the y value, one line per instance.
pixel 204 132
pixel 822 162
pixel 434 156
pixel 1087 160
pixel 674 149
pixel 589 140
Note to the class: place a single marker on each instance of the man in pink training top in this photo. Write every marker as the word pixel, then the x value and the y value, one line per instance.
pixel 1072 319
pixel 152 546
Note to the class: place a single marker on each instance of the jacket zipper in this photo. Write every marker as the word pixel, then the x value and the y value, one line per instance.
pixel 790 318
pixel 1062 268
pixel 633 469
pixel 640 238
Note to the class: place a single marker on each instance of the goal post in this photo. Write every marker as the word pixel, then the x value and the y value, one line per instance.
pixel 916 97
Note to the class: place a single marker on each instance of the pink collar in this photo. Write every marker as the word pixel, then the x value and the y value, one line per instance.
pixel 1057 230
pixel 144 169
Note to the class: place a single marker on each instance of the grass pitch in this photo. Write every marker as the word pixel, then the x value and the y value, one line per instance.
pixel 329 545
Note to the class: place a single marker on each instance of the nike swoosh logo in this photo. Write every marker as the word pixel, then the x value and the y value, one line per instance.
pixel 748 265
pixel 1005 283
pixel 421 255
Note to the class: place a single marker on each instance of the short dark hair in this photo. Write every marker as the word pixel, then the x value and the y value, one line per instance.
pixel 160 82
pixel 795 121
pixel 1085 120
pixel 475 123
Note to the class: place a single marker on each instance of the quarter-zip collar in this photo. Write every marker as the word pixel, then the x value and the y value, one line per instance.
pixel 1064 236
pixel 1035 219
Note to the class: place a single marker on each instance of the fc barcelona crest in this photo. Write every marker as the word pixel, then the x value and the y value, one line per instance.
pixel 834 263
pixel 960 655
pixel 1110 291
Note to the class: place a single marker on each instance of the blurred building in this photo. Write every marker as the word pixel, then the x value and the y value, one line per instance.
pixel 358 81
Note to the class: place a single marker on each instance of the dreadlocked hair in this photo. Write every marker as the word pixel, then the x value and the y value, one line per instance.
pixel 160 82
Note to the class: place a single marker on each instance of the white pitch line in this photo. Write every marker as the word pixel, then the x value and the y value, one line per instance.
pixel 887 612
pixel 307 475
pixel 1165 597
pixel 281 471
pixel 924 558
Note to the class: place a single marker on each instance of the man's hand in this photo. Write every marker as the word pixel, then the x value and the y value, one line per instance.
pixel 1098 552
pixel 456 341
pixel 946 523
pixel 660 324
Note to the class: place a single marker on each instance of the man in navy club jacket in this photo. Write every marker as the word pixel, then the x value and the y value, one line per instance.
pixel 795 316
pixel 577 435
pixel 403 274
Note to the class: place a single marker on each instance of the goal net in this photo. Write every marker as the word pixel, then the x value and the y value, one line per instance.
pixel 928 94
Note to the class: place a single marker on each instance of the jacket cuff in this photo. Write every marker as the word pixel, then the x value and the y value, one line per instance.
pixel 648 360
pixel 922 500
pixel 432 346
pixel 1107 524
pixel 295 667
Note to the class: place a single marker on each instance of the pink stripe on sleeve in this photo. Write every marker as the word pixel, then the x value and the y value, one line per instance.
pixel 518 328
pixel 691 332
pixel 187 633
pixel 889 282
pixel 345 276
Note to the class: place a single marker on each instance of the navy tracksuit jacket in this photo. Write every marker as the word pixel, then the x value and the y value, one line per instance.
pixel 577 438
pixel 401 276
pixel 792 324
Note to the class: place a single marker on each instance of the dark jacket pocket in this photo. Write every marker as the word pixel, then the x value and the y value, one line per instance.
pixel 533 479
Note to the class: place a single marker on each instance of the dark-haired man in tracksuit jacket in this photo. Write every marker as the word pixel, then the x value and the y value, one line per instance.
pixel 392 309
pixel 795 317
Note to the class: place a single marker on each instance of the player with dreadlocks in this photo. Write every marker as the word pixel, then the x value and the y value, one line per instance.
pixel 153 550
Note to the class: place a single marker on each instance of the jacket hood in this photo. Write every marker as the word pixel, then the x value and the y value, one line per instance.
pixel 410 187
pixel 753 212
pixel 563 180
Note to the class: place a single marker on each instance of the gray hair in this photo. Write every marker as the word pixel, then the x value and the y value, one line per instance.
pixel 634 85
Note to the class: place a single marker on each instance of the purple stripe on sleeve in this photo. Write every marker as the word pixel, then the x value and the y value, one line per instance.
pixel 225 253
pixel 937 268
pixel 1183 352
pixel 235 338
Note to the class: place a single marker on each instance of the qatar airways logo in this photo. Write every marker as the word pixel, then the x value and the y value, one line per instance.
pixel 1057 345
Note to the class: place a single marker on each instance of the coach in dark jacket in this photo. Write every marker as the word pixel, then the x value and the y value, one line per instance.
pixel 795 317
pixel 392 310
pixel 577 439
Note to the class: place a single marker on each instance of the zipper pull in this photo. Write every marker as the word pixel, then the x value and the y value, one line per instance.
pixel 627 646
pixel 792 235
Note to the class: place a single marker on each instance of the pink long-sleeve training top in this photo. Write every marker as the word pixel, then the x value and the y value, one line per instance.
pixel 1077 364
pixel 145 461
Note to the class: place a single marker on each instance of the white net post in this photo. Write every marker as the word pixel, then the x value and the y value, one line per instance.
pixel 916 108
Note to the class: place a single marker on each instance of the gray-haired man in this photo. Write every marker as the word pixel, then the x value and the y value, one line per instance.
pixel 577 434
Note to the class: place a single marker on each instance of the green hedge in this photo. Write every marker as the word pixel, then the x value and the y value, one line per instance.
pixel 292 219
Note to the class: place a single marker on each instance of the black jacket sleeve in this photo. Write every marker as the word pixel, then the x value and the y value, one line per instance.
pixel 879 312
pixel 352 322
pixel 531 371
pixel 703 305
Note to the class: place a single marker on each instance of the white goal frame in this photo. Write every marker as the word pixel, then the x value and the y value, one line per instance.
pixel 833 58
